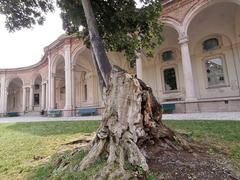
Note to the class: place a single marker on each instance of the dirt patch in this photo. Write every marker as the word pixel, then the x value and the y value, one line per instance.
pixel 169 164
pixel 179 164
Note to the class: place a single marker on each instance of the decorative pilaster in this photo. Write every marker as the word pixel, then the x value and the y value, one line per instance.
pixel 187 69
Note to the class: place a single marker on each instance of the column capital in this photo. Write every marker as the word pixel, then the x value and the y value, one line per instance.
pixel 27 86
pixel 67 47
pixel 183 39
pixel 44 83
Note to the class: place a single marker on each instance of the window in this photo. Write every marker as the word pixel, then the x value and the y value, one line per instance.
pixel 36 99
pixel 167 56
pixel 215 71
pixel 210 44
pixel 85 92
pixel 170 81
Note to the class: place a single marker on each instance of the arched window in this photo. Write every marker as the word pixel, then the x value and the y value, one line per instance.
pixel 215 71
pixel 210 44
pixel 170 79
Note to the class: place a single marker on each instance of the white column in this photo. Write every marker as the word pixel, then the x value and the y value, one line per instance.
pixel 3 95
pixel 43 96
pixel 52 92
pixel 139 67
pixel 68 78
pixel 51 86
pixel 31 98
pixel 73 88
pixel 187 70
pixel 24 99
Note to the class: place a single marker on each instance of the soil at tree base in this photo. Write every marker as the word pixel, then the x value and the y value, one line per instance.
pixel 181 165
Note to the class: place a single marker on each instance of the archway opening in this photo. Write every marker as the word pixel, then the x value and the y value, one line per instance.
pixel 213 41
pixel 164 72
pixel 37 93
pixel 59 83
pixel 86 90
pixel 15 96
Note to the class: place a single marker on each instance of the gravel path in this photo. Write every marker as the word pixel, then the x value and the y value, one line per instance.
pixel 189 116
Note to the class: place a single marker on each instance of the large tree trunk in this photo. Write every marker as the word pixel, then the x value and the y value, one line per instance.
pixel 103 63
pixel 131 125
pixel 132 118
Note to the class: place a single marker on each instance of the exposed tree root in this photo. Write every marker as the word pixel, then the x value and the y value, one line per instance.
pixel 131 124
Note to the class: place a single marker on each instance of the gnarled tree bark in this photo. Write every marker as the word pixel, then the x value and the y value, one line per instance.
pixel 132 118
pixel 131 124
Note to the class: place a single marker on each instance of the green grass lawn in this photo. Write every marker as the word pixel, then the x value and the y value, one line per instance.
pixel 21 142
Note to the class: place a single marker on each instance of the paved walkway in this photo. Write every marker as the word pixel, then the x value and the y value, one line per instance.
pixel 189 116
pixel 44 119
pixel 204 116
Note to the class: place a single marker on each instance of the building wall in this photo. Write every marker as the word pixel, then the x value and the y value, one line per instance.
pixel 69 79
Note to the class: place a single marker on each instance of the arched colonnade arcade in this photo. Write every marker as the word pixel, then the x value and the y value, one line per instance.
pixel 196 68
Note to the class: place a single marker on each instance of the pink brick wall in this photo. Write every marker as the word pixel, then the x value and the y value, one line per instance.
pixel 178 9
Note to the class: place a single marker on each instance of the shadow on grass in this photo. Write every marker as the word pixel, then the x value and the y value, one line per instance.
pixel 55 128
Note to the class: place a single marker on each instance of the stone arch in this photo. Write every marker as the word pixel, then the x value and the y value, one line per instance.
pixel 83 57
pixel 153 69
pixel 15 95
pixel 58 75
pixel 57 60
pixel 76 52
pixel 171 23
pixel 10 78
pixel 85 86
pixel 199 8
pixel 170 36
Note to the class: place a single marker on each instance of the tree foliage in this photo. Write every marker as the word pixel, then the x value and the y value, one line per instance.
pixel 122 26
pixel 24 13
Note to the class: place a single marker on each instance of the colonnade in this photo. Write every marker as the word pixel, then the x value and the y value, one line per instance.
pixel 190 94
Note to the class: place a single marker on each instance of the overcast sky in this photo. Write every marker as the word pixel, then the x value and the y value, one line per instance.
pixel 25 47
